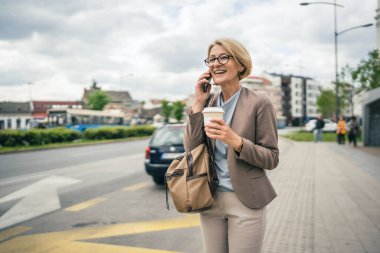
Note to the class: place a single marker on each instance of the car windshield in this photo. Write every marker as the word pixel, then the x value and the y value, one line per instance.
pixel 168 136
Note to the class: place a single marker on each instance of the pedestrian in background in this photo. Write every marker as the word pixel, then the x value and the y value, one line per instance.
pixel 354 131
pixel 341 131
pixel 318 130
pixel 246 144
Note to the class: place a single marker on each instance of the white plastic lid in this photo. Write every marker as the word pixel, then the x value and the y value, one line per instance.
pixel 213 109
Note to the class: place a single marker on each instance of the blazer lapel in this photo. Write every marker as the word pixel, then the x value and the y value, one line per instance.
pixel 239 114
pixel 214 104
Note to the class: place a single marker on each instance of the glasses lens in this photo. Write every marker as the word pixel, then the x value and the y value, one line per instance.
pixel 210 61
pixel 223 59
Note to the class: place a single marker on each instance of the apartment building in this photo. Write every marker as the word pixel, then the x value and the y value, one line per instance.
pixel 299 98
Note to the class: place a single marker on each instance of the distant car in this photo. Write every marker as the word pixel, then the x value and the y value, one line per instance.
pixel 165 144
pixel 329 125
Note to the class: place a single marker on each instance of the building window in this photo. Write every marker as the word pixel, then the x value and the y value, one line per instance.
pixel 9 123
pixel 2 124
pixel 18 123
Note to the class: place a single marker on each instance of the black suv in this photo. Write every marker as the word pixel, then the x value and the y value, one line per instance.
pixel 165 144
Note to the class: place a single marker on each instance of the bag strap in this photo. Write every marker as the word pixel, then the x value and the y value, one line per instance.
pixel 166 193
pixel 214 177
pixel 206 140
pixel 190 163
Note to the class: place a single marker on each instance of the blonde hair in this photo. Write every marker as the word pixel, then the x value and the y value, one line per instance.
pixel 237 51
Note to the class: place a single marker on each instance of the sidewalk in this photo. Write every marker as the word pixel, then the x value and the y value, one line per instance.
pixel 328 199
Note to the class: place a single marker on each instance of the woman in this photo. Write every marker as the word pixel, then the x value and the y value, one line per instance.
pixel 245 146
pixel 354 131
pixel 341 131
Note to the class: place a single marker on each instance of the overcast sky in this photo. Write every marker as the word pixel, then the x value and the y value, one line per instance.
pixel 156 48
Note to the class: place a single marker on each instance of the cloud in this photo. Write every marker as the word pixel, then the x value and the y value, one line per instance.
pixel 64 45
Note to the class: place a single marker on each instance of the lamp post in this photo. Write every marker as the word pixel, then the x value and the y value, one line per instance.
pixel 336 34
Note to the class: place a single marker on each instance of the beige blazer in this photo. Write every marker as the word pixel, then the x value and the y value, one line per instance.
pixel 255 121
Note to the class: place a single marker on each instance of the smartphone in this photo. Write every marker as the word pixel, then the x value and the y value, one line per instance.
pixel 205 85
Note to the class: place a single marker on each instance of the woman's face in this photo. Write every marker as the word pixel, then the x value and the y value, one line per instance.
pixel 223 73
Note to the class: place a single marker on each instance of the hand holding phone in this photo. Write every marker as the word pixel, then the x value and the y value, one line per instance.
pixel 205 85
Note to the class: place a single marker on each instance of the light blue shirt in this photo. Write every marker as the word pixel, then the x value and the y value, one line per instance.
pixel 222 148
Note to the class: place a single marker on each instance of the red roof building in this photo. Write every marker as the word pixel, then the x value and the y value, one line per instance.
pixel 40 108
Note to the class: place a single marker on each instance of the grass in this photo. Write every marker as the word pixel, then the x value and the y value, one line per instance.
pixel 82 142
pixel 307 136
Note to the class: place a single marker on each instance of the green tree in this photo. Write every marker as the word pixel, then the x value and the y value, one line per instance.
pixel 167 109
pixel 326 103
pixel 97 100
pixel 178 108
pixel 346 93
pixel 367 73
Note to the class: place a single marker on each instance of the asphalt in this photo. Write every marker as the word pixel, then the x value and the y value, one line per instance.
pixel 328 199
pixel 328 202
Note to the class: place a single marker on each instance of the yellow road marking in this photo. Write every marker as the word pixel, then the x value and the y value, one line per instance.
pixel 13 231
pixel 84 247
pixel 136 187
pixel 84 205
pixel 70 240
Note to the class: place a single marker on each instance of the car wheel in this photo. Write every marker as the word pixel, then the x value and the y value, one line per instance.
pixel 159 180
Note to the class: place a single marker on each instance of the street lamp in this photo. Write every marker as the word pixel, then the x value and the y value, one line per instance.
pixel 336 34
pixel 355 27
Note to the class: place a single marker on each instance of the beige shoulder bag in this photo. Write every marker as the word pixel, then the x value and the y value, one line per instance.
pixel 191 178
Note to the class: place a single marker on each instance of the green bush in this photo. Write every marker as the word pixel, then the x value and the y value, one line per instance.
pixel 34 137
pixel 61 134
pixel 13 138
pixel 103 133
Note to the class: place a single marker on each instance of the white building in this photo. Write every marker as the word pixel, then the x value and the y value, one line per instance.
pixel 304 95
pixel 357 101
pixel 299 96
pixel 313 90
pixel 265 85
pixel 15 115
pixel 296 97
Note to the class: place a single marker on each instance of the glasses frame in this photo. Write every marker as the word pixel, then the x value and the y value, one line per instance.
pixel 207 62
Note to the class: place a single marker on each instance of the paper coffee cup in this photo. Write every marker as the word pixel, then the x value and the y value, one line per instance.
pixel 212 113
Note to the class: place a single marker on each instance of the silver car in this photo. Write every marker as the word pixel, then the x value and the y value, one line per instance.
pixel 329 125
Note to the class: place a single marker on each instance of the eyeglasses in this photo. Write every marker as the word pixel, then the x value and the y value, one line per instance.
pixel 222 59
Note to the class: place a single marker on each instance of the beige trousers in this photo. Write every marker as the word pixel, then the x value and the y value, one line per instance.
pixel 231 227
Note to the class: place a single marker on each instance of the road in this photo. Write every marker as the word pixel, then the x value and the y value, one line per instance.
pixel 82 200
pixel 91 199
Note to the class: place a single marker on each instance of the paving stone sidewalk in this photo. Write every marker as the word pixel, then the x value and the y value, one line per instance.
pixel 328 200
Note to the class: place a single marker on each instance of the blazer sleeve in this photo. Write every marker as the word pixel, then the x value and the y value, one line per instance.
pixel 193 134
pixel 264 153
